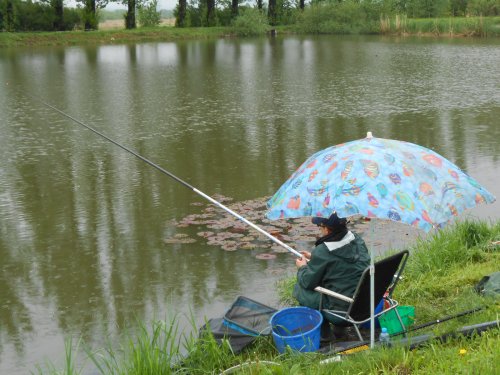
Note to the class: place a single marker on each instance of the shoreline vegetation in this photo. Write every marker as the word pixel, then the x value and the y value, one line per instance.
pixel 314 22
pixel 438 281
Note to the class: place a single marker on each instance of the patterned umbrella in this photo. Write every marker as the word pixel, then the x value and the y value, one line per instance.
pixel 382 178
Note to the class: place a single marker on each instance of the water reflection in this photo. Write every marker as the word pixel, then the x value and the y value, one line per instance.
pixel 83 223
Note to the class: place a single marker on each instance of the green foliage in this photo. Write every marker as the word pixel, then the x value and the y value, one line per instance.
pixel 427 8
pixel 483 7
pixel 458 246
pixel 250 22
pixel 286 12
pixel 148 14
pixel 17 15
pixel 285 289
pixel 225 14
pixel 458 8
pixel 72 19
pixel 195 14
pixel 348 17
pixel 90 19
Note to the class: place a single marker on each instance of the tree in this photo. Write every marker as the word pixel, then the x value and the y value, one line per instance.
pixel 234 8
pixel 180 19
pixel 9 16
pixel 90 12
pixel 58 14
pixel 130 15
pixel 211 19
pixel 271 12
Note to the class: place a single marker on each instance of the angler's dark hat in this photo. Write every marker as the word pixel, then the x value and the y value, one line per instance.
pixel 331 222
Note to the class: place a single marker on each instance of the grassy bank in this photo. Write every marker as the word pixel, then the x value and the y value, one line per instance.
pixel 109 36
pixel 438 281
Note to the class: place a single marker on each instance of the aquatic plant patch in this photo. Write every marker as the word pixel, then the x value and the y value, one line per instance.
pixel 218 228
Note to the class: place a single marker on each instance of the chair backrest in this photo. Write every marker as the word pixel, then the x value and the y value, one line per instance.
pixel 386 270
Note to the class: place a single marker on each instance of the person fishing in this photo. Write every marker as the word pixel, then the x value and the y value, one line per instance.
pixel 337 262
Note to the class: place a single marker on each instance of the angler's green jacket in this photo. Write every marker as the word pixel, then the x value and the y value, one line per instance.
pixel 336 266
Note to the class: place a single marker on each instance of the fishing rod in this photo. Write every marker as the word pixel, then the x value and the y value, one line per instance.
pixel 438 321
pixel 171 175
pixel 365 345
pixel 415 342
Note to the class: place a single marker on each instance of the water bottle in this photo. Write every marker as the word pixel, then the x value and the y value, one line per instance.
pixel 384 338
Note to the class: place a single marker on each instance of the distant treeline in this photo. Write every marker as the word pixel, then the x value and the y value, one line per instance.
pixel 362 15
pixel 52 15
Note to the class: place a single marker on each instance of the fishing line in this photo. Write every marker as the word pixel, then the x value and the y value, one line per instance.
pixel 171 175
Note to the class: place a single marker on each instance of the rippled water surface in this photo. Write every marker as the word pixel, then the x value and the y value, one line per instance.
pixel 84 224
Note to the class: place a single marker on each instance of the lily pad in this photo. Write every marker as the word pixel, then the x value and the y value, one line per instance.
pixel 179 240
pixel 265 256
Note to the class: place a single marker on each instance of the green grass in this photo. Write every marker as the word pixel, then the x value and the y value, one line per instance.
pixel 452 26
pixel 67 38
pixel 438 280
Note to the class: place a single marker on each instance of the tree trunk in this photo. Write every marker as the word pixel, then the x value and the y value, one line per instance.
pixel 91 17
pixel 260 4
pixel 9 16
pixel 58 10
pixel 130 15
pixel 271 12
pixel 301 4
pixel 210 12
pixel 234 8
pixel 181 15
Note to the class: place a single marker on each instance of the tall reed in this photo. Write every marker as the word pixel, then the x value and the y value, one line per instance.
pixel 449 26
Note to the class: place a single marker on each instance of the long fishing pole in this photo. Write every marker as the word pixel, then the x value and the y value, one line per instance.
pixel 171 175
pixel 438 321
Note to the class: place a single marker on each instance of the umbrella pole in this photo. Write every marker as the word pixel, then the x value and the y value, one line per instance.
pixel 372 300
pixel 147 161
pixel 372 288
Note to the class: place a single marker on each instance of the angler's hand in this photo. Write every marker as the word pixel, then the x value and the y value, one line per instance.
pixel 299 262
pixel 306 254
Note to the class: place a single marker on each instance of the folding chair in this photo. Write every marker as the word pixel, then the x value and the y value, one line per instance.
pixel 387 274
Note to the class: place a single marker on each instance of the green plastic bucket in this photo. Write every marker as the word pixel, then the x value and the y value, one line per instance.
pixel 390 320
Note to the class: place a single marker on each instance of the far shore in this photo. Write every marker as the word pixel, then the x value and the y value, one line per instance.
pixel 114 32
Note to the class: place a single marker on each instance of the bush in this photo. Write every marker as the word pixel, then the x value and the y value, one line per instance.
pixel 71 18
pixel 147 13
pixel 348 17
pixel 33 17
pixel 250 22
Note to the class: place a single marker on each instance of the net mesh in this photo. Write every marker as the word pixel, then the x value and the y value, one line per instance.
pixel 249 317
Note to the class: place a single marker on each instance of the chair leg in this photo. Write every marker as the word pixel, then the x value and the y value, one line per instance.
pixel 358 332
pixel 326 334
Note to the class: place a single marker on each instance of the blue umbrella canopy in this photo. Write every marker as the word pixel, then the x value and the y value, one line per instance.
pixel 382 178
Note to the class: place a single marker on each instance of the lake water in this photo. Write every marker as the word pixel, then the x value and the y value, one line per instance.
pixel 88 232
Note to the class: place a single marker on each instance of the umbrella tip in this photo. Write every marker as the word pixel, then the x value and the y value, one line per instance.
pixel 369 135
